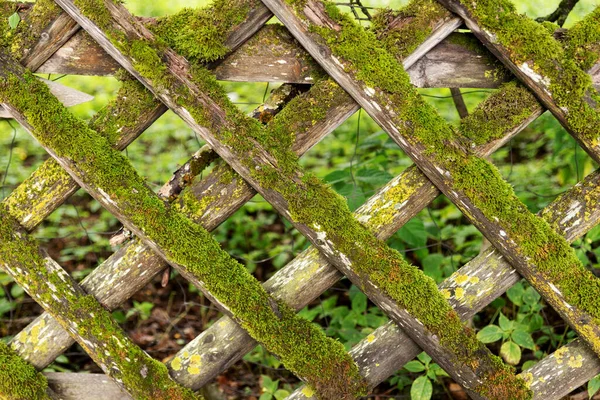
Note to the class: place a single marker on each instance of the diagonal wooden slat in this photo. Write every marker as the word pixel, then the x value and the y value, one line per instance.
pixel 85 319
pixel 121 275
pixel 114 281
pixel 556 358
pixel 457 344
pixel 107 175
pixel 535 57
pixel 474 185
pixel 477 284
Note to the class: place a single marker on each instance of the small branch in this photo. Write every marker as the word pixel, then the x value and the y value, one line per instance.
pixel 561 13
pixel 459 102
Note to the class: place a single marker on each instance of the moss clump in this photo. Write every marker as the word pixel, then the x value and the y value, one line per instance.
pixel 18 379
pixel 531 45
pixel 583 41
pixel 97 332
pixel 402 31
pixel 22 39
pixel 121 117
pixel 200 34
pixel 300 344
pixel 509 106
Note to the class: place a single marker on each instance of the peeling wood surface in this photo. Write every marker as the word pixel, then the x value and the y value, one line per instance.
pixel 72 386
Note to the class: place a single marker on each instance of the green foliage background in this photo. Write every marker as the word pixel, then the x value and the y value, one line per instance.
pixel 356 159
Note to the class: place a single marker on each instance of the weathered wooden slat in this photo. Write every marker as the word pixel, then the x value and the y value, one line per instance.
pixel 72 386
pixel 555 79
pixel 309 274
pixel 176 77
pixel 85 319
pixel 454 170
pixel 185 245
pixel 478 283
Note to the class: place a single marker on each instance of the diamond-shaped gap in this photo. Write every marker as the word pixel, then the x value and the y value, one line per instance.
pixel 22 153
pixel 542 161
pixel 521 327
pixel 356 159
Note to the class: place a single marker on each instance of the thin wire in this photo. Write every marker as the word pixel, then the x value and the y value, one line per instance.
pixel 84 230
pixel 10 153
pixel 451 96
pixel 355 148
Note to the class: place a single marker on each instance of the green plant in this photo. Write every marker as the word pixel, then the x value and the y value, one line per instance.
pixel 270 389
pixel 421 388
pixel 516 334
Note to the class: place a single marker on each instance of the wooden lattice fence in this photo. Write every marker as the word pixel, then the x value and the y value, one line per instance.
pixel 167 63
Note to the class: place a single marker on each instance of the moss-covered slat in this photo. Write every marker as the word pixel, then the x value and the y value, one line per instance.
pixel 44 28
pixel 107 175
pixel 270 167
pixel 83 316
pixel 125 118
pixel 530 51
pixel 563 371
pixel 19 380
pixel 120 122
pixel 478 283
pixel 381 86
pixel 134 265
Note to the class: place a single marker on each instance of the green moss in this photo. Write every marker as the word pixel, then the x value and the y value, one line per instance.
pixel 22 39
pixel 97 332
pixel 121 117
pixel 531 45
pixel 300 344
pixel 200 34
pixel 511 105
pixel 583 41
pixel 18 379
pixel 402 31
pixel 474 177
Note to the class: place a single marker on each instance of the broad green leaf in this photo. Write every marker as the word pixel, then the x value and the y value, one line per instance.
pixel 528 364
pixel 536 322
pixel 424 358
pixel 593 385
pixel 432 266
pixel 13 20
pixel 421 389
pixel 511 352
pixel 265 396
pixel 414 366
pixel 530 296
pixel 523 339
pixel 504 323
pixel 413 233
pixel 515 294
pixel 359 302
pixel 281 394
pixel 62 359
pixel 490 334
